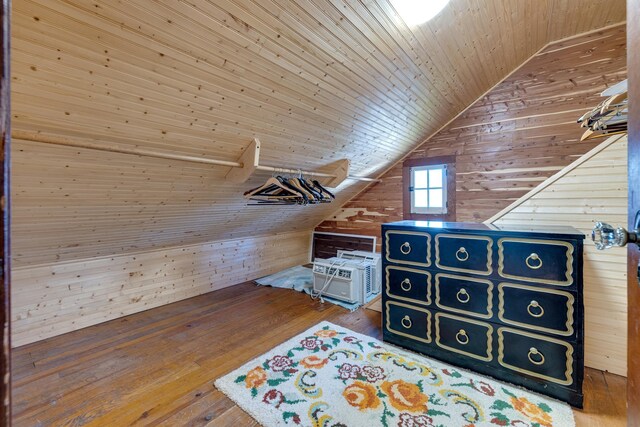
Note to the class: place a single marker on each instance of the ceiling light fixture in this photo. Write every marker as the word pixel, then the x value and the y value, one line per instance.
pixel 416 12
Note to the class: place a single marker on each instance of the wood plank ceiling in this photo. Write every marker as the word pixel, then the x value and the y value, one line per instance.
pixel 315 80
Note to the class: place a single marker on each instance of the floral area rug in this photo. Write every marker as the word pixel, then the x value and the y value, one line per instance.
pixel 330 376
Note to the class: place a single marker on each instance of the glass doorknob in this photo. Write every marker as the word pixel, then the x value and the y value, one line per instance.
pixel 606 236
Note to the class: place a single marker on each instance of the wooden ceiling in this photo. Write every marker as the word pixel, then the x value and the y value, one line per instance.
pixel 315 80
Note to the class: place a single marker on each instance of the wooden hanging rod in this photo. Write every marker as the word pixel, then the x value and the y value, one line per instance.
pixel 285 170
pixel 58 140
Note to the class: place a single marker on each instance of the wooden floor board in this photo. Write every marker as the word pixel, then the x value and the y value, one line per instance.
pixel 157 368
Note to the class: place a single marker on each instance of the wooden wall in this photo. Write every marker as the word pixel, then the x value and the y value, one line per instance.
pixel 594 188
pixel 55 298
pixel 74 204
pixel 509 141
pixel 314 80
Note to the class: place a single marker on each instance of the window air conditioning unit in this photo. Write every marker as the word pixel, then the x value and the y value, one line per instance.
pixel 371 257
pixel 343 279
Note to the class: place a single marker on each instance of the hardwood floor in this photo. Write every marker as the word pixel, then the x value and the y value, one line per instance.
pixel 157 368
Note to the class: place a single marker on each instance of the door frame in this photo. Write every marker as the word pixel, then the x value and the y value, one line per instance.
pixel 5 143
pixel 633 288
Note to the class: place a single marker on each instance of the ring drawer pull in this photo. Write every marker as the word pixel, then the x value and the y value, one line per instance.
pixel 535 258
pixel 406 322
pixel 407 246
pixel 533 352
pixel 534 305
pixel 462 337
pixel 462 254
pixel 406 285
pixel 463 296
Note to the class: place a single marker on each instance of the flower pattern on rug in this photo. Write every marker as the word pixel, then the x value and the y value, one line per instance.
pixel 332 377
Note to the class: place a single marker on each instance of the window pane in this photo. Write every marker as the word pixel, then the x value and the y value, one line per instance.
pixel 420 199
pixel 435 178
pixel 435 198
pixel 420 179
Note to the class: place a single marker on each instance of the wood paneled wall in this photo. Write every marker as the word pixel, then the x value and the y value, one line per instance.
pixel 594 188
pixel 314 80
pixel 74 204
pixel 55 298
pixel 509 141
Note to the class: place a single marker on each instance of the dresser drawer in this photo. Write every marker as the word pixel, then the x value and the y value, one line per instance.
pixel 408 247
pixel 469 254
pixel 541 261
pixel 464 295
pixel 464 336
pixel 408 321
pixel 544 310
pixel 546 358
pixel 409 284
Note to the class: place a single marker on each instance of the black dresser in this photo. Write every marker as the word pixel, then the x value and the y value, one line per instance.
pixel 505 302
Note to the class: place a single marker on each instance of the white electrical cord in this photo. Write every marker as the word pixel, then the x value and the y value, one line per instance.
pixel 327 280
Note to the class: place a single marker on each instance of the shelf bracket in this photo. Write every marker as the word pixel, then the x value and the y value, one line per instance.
pixel 250 160
pixel 340 171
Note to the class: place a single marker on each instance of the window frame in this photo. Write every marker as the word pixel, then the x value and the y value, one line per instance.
pixel 412 189
pixel 407 165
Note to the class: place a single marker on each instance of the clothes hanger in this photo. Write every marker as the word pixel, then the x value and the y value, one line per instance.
pixel 317 196
pixel 291 190
pixel 289 184
pixel 294 182
pixel 619 122
pixel 262 203
pixel 272 184
pixel 322 189
pixel 590 134
pixel 275 191
pixel 602 109
pixel 608 118
pixel 614 105
pixel 617 117
pixel 324 195
pixel 591 114
pixel 615 100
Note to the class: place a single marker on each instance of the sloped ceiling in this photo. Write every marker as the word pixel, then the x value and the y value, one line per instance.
pixel 315 80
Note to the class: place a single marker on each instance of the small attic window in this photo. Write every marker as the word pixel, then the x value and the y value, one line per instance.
pixel 416 12
pixel 429 189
